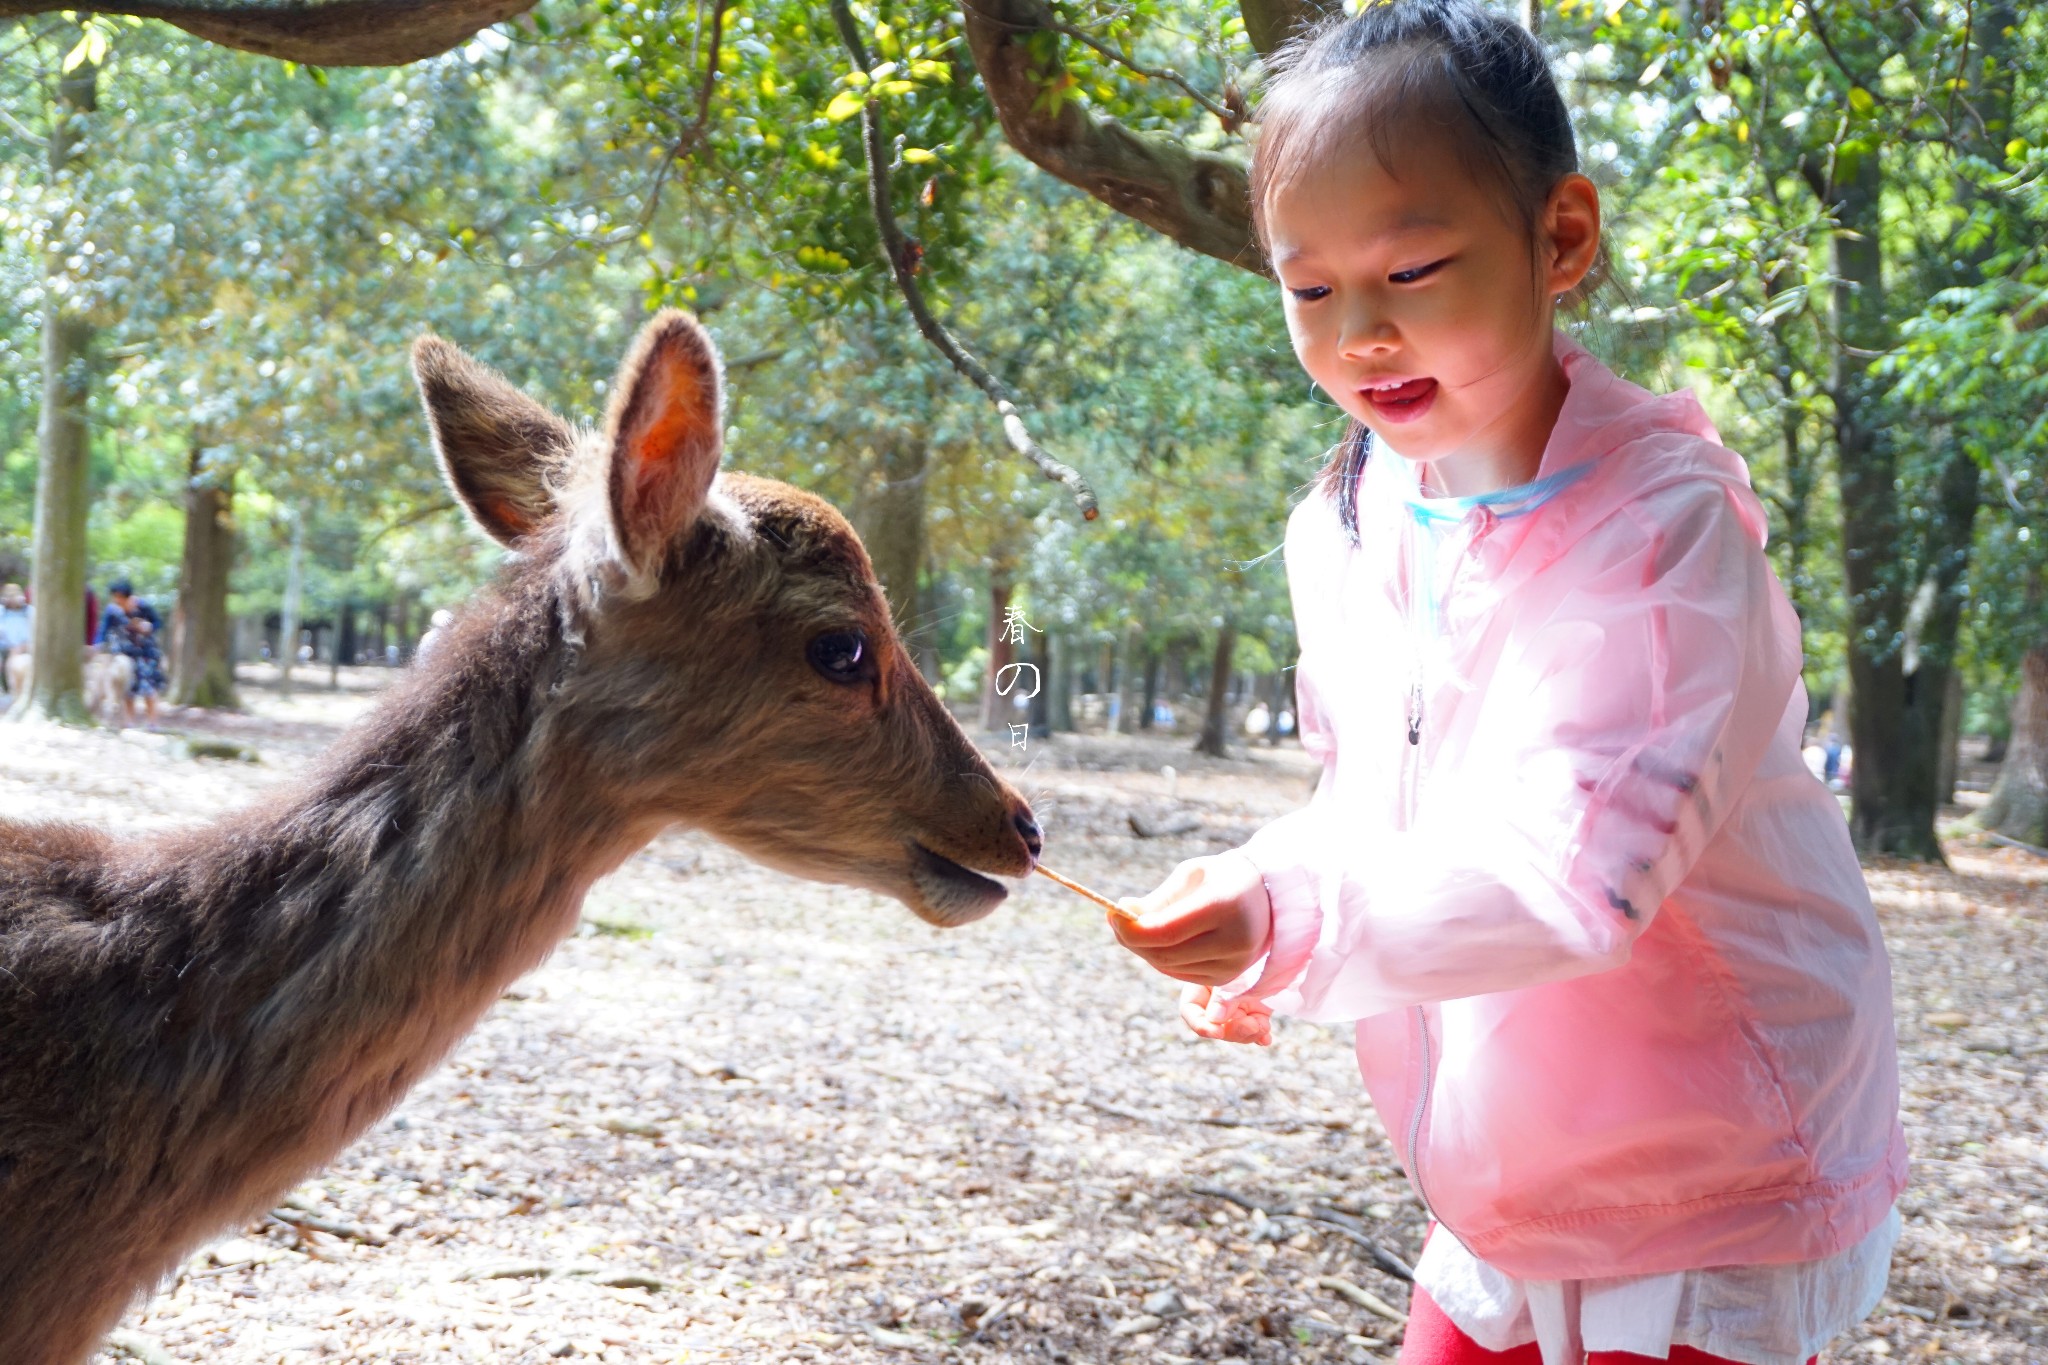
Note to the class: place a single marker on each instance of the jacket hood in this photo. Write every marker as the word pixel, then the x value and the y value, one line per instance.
pixel 1667 438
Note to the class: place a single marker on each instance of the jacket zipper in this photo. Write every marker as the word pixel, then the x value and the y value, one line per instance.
pixel 1413 772
pixel 1411 776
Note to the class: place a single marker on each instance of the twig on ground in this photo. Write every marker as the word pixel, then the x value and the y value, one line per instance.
pixel 1361 1297
pixel 1282 1125
pixel 1383 1260
pixel 903 254
pixel 294 1218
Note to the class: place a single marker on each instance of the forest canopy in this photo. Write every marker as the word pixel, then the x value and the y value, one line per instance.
pixel 221 226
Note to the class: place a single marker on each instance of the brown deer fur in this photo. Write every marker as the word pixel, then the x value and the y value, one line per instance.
pixel 190 1024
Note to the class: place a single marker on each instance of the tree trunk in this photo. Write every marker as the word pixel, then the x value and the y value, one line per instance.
pixel 995 708
pixel 401 627
pixel 1894 717
pixel 348 640
pixel 1041 699
pixel 1215 720
pixel 1896 714
pixel 1106 684
pixel 2018 807
pixel 288 618
pixel 1151 702
pixel 1127 682
pixel 57 690
pixel 890 516
pixel 1949 758
pixel 202 658
pixel 1059 683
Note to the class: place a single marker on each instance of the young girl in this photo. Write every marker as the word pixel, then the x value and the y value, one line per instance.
pixel 1621 999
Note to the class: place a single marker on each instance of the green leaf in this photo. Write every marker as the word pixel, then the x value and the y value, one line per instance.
pixel 918 156
pixel 844 106
pixel 1861 101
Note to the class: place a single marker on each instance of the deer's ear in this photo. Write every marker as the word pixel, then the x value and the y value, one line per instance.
pixel 497 447
pixel 666 427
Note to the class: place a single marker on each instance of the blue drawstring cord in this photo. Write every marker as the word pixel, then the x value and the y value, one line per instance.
pixel 1434 515
pixel 1516 501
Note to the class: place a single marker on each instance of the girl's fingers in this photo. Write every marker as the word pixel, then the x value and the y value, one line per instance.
pixel 1201 947
pixel 1194 1012
pixel 1196 954
pixel 1253 1028
pixel 1184 878
pixel 1144 938
pixel 1252 1024
pixel 1200 1024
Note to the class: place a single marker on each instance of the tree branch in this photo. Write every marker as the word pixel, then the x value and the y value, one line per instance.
pixel 1229 120
pixel 693 132
pixel 1198 199
pixel 902 256
pixel 318 32
pixel 1269 23
pixel 1820 31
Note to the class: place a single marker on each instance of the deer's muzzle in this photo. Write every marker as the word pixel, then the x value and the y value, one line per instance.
pixel 949 894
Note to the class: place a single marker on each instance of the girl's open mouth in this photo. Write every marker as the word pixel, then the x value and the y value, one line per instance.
pixel 1402 402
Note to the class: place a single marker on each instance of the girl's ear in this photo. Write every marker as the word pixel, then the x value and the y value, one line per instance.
pixel 497 447
pixel 665 428
pixel 1571 226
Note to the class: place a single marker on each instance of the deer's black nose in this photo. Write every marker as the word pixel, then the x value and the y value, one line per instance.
pixel 1034 838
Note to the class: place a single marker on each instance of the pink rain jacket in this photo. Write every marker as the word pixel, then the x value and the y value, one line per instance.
pixel 1622 1001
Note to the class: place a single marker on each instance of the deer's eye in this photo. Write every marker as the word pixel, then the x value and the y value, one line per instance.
pixel 840 655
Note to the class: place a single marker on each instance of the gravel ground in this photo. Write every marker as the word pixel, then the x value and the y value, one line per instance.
pixel 739 1117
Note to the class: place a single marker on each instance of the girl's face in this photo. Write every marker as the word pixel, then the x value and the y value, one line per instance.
pixel 1423 307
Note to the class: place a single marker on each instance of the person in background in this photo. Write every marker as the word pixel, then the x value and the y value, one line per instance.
pixel 17 625
pixel 129 627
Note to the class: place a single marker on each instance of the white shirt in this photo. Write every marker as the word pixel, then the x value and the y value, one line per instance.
pixel 1760 1315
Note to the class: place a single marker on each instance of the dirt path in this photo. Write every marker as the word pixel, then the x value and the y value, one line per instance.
pixel 739 1117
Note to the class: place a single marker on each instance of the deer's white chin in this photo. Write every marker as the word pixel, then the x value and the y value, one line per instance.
pixel 947 893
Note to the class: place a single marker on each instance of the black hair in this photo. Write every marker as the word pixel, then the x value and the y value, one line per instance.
pixel 120 587
pixel 1403 67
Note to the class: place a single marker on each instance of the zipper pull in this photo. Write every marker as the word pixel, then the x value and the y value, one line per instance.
pixel 1415 711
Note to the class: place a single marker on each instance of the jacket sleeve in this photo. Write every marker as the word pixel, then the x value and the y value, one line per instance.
pixel 1614 736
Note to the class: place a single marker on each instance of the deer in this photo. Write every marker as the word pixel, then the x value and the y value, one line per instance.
pixel 192 1024
pixel 107 677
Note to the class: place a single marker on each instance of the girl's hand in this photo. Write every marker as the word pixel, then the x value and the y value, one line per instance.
pixel 1208 921
pixel 1227 1021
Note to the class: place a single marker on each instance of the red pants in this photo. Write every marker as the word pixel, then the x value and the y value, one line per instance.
pixel 1434 1339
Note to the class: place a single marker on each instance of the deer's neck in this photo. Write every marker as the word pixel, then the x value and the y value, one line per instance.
pixel 343 943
